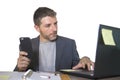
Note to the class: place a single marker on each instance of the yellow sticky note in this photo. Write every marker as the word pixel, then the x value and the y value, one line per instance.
pixel 4 77
pixel 108 37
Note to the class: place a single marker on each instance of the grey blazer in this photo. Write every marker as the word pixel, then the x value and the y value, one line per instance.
pixel 66 54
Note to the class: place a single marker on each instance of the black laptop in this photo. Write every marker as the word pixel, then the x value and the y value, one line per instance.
pixel 107 61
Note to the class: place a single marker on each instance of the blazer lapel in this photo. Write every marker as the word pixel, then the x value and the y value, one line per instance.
pixel 36 53
pixel 59 51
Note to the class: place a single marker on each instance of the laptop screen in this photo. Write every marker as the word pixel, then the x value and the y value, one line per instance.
pixel 108 52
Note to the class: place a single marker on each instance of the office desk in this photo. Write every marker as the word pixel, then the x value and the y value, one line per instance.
pixel 80 78
pixel 4 75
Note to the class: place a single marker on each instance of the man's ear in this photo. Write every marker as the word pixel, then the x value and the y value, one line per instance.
pixel 37 28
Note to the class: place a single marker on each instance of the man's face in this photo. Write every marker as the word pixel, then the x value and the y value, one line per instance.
pixel 48 29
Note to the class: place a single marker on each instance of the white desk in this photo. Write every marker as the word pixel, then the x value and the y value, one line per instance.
pixel 34 76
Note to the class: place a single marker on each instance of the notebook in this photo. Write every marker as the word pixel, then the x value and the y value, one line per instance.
pixel 107 55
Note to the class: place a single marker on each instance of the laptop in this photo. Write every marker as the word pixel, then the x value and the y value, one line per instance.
pixel 107 55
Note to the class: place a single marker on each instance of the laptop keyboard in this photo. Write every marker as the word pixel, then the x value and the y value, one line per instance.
pixel 91 72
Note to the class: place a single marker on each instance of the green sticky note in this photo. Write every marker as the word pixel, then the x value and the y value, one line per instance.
pixel 4 77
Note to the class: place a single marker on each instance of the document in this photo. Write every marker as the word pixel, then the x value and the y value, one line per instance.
pixel 35 76
pixel 108 37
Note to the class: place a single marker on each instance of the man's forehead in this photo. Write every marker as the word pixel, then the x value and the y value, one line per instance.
pixel 48 20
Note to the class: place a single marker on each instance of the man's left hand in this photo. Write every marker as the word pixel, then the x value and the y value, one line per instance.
pixel 85 61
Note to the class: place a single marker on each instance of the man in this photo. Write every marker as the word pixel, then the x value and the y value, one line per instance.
pixel 51 52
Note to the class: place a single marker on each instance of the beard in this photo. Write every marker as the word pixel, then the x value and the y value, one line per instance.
pixel 50 37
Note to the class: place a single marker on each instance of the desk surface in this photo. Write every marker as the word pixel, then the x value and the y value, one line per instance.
pixel 17 76
pixel 80 78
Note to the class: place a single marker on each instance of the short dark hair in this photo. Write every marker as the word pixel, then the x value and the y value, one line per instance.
pixel 42 12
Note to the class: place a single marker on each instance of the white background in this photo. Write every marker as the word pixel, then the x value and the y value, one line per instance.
pixel 77 19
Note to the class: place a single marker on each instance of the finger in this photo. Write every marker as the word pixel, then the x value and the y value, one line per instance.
pixel 83 65
pixel 22 53
pixel 22 65
pixel 92 65
pixel 79 65
pixel 23 58
pixel 23 69
pixel 89 66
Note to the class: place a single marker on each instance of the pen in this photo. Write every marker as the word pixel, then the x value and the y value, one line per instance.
pixel 27 74
pixel 44 76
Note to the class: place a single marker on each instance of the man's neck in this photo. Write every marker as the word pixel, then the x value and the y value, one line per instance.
pixel 43 40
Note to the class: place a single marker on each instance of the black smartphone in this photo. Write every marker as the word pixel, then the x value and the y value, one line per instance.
pixel 26 45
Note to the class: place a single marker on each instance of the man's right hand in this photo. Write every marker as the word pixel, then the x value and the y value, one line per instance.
pixel 23 61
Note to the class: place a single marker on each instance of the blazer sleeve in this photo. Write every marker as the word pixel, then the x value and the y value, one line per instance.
pixel 76 58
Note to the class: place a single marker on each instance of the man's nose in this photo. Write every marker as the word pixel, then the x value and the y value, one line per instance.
pixel 54 28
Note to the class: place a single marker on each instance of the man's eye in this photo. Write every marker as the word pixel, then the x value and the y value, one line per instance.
pixel 56 23
pixel 47 25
